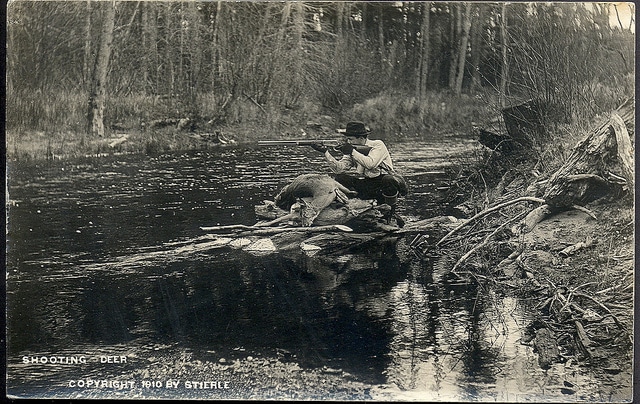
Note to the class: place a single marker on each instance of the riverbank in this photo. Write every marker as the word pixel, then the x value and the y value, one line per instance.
pixel 140 124
pixel 41 146
pixel 592 333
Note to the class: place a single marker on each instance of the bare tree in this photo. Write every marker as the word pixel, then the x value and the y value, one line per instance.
pixel 504 67
pixel 454 42
pixel 462 51
pixel 423 61
pixel 98 85
pixel 476 47
pixel 87 45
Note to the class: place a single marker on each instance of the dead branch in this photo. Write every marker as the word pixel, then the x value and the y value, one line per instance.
pixel 488 211
pixel 577 246
pixel 273 230
pixel 255 102
pixel 605 308
pixel 532 219
pixel 585 210
pixel 582 339
pixel 486 240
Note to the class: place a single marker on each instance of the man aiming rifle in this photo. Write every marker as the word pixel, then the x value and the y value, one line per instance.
pixel 375 177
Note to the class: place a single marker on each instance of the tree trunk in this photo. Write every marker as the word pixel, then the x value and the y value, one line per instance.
pixel 423 63
pixel 462 52
pixel 150 46
pixel 339 19
pixel 145 46
pixel 601 162
pixel 97 94
pixel 363 24
pixel 168 59
pixel 381 45
pixel 216 46
pixel 87 47
pixel 476 48
pixel 297 79
pixel 505 68
pixel 456 28
pixel 181 50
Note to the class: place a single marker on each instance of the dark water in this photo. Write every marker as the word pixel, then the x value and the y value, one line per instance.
pixel 99 263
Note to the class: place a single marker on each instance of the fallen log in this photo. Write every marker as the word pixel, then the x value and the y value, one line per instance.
pixel 262 230
pixel 118 141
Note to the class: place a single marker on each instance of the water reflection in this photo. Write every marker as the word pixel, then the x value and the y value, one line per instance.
pixel 258 303
pixel 108 253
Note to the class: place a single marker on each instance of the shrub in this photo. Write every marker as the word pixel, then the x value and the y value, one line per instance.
pixel 407 117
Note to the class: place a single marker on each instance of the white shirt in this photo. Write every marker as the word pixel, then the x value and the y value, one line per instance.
pixel 376 162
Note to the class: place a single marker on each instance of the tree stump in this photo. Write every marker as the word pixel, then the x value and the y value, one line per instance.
pixel 524 122
pixel 516 131
pixel 601 162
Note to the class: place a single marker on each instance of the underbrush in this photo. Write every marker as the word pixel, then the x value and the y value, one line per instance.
pixel 403 117
pixel 53 124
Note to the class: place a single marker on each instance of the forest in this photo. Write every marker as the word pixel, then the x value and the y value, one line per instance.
pixel 82 70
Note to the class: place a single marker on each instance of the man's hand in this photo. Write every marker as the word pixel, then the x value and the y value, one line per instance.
pixel 346 148
pixel 319 147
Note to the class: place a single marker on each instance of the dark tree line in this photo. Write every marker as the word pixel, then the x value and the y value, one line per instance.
pixel 278 54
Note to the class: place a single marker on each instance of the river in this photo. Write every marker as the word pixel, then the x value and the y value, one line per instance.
pixel 97 269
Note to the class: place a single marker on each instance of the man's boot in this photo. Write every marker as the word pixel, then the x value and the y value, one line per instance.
pixel 392 201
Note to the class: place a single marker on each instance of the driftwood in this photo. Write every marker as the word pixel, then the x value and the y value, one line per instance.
pixel 488 211
pixel 263 230
pixel 485 242
pixel 532 219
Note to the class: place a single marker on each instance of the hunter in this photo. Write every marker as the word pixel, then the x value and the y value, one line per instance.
pixel 374 176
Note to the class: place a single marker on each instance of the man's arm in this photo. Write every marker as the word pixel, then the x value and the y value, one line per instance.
pixel 377 153
pixel 339 166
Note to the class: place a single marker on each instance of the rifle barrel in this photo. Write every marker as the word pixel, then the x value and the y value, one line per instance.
pixel 334 143
pixel 304 142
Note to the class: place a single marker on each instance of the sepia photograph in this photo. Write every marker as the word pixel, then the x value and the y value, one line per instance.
pixel 320 200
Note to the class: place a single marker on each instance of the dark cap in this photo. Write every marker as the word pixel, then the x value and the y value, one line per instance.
pixel 355 129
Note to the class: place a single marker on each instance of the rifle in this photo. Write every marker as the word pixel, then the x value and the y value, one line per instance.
pixel 331 143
